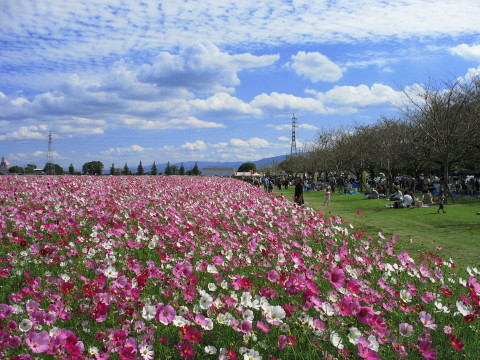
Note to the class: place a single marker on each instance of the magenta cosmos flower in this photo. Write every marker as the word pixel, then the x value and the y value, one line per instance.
pixel 336 278
pixel 38 342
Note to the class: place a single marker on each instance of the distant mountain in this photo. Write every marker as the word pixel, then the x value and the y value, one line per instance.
pixel 206 164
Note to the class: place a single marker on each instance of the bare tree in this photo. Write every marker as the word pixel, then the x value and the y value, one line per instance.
pixel 446 117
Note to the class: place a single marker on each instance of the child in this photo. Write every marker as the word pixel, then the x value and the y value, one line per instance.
pixel 327 197
pixel 441 201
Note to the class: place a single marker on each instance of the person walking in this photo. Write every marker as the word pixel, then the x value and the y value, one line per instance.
pixel 441 202
pixel 298 196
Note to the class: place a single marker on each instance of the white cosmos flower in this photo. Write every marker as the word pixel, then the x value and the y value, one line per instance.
pixel 210 350
pixel 146 351
pixel 252 354
pixel 148 312
pixel 328 309
pixel 212 287
pixel 212 269
pixel 353 335
pixel 110 272
pixel 336 340
pixel 405 296
pixel 248 315
pixel 92 351
pixel 206 301
pixel 463 308
pixel 373 343
pixel 25 325
pixel 246 299
pixel 180 321
pixel 275 314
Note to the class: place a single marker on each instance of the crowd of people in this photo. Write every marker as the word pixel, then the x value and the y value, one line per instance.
pixel 423 191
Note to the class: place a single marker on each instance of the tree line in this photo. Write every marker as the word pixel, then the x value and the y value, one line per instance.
pixel 97 167
pixel 436 131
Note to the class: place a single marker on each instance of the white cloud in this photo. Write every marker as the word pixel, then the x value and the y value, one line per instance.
pixel 361 95
pixel 201 67
pixel 316 67
pixel 252 143
pixel 287 102
pixel 25 133
pixel 467 52
pixel 223 104
pixel 178 124
pixel 124 150
pixel 198 145
pixel 284 127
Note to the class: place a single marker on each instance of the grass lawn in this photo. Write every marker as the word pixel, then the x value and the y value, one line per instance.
pixel 418 229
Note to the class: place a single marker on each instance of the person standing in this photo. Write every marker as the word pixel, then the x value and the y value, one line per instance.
pixel 266 183
pixel 298 196
pixel 327 196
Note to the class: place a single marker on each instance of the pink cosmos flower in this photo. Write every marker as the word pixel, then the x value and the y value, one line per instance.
pixel 427 320
pixel 425 351
pixel 364 349
pixel 245 327
pixel 336 278
pixel 346 305
pixel 193 335
pixel 38 342
pixel 118 337
pixel 282 342
pixel 186 350
pixel 456 342
pixel 73 345
pixel 263 327
pixel 273 276
pixel 166 314
pixel 406 329
pixel 428 297
pixel 129 351
pixel 364 314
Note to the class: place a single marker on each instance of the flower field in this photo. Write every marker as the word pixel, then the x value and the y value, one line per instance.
pixel 147 268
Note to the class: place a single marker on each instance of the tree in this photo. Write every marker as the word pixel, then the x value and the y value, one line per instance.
pixel 154 170
pixel 112 169
pixel 195 170
pixel 15 170
pixel 30 168
pixel 168 169
pixel 93 168
pixel 174 170
pixel 140 169
pixel 126 170
pixel 447 117
pixel 181 170
pixel 53 169
pixel 246 167
pixel 71 169
pixel 389 137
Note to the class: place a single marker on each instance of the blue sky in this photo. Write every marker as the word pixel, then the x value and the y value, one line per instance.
pixel 185 80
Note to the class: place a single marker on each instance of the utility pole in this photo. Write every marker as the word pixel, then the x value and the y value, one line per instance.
pixel 50 165
pixel 293 147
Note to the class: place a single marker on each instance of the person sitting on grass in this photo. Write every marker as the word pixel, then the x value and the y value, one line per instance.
pixel 407 200
pixel 373 194
pixel 427 198
pixel 396 196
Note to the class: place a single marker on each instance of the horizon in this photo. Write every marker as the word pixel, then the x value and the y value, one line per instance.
pixel 192 81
